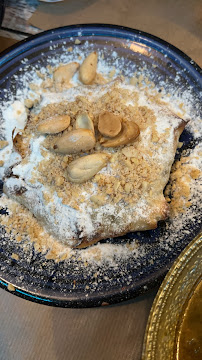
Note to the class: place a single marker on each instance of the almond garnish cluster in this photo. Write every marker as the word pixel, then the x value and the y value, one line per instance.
pixel 111 130
pixel 83 138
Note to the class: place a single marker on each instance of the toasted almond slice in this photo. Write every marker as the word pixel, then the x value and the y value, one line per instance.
pixel 87 71
pixel 109 124
pixel 99 79
pixel 29 103
pixel 54 124
pixel 84 168
pixel 3 144
pixel 130 131
pixel 83 121
pixel 98 200
pixel 75 141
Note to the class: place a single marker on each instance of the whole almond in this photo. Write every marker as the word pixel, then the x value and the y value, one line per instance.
pixel 87 71
pixel 83 121
pixel 130 132
pixel 109 124
pixel 64 73
pixel 84 168
pixel 75 141
pixel 54 124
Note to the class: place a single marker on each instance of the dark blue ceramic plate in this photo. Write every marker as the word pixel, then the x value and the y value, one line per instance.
pixel 70 284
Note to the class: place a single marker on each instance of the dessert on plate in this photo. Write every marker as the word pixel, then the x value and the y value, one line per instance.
pixel 93 155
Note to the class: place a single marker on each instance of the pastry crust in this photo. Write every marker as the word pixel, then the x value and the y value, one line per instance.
pixel 126 195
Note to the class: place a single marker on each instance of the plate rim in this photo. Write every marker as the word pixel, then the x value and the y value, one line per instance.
pixel 137 32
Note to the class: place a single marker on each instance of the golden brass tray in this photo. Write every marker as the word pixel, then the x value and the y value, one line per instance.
pixel 161 335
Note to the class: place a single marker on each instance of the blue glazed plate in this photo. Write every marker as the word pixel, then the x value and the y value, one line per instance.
pixel 70 283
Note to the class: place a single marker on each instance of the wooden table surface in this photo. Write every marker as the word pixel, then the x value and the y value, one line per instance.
pixel 36 332
pixel 15 24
